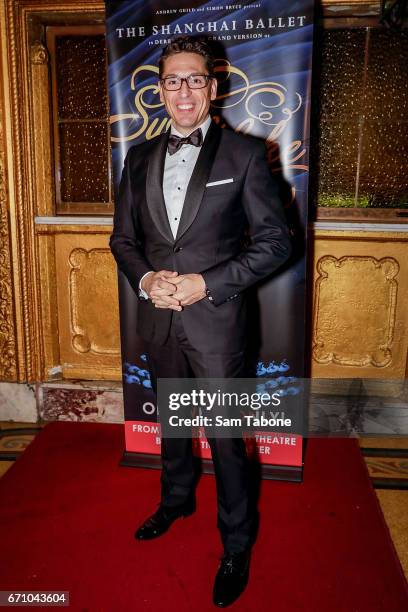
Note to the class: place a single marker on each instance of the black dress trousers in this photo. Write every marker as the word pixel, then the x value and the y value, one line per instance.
pixel 236 518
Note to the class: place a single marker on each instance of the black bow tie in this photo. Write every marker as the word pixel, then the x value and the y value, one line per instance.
pixel 176 142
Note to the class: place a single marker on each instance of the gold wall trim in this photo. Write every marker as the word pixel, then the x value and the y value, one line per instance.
pixel 8 363
pixel 42 164
pixel 361 236
pixel 23 203
pixel 72 229
pixel 42 158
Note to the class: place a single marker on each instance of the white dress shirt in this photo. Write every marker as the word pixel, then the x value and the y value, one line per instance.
pixel 178 169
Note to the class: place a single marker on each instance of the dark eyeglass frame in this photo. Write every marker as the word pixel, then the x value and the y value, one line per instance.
pixel 208 78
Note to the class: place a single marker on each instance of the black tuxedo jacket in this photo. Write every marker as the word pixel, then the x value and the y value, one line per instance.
pixel 234 234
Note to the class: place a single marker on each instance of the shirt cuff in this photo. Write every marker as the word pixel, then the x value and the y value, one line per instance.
pixel 142 293
pixel 208 295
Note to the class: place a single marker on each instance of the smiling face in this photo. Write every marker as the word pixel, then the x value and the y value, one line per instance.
pixel 188 108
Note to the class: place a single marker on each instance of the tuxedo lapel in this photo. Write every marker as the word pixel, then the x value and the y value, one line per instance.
pixel 196 186
pixel 154 188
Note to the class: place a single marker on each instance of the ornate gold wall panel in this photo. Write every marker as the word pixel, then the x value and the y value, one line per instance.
pixel 87 307
pixel 360 318
pixel 368 305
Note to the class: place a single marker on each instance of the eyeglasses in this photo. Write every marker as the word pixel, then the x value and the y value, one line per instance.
pixel 194 81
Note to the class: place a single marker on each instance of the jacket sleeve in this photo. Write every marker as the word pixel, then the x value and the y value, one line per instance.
pixel 126 241
pixel 270 244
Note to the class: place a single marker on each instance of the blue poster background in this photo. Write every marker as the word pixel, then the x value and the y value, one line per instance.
pixel 264 52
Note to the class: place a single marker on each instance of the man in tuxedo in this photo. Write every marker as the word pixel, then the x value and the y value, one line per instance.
pixel 198 221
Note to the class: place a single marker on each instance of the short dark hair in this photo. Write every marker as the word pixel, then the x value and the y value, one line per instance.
pixel 188 44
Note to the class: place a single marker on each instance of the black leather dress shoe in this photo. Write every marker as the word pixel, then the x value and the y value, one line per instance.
pixel 160 521
pixel 231 578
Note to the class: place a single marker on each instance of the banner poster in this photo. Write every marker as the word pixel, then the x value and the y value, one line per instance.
pixel 263 68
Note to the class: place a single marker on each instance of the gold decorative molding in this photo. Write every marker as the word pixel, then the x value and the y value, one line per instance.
pixel 49 230
pixel 92 286
pixel 43 205
pixel 22 211
pixel 39 53
pixel 41 128
pixel 8 366
pixel 50 366
pixel 353 294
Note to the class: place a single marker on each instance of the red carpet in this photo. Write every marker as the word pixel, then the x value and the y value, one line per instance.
pixel 68 513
